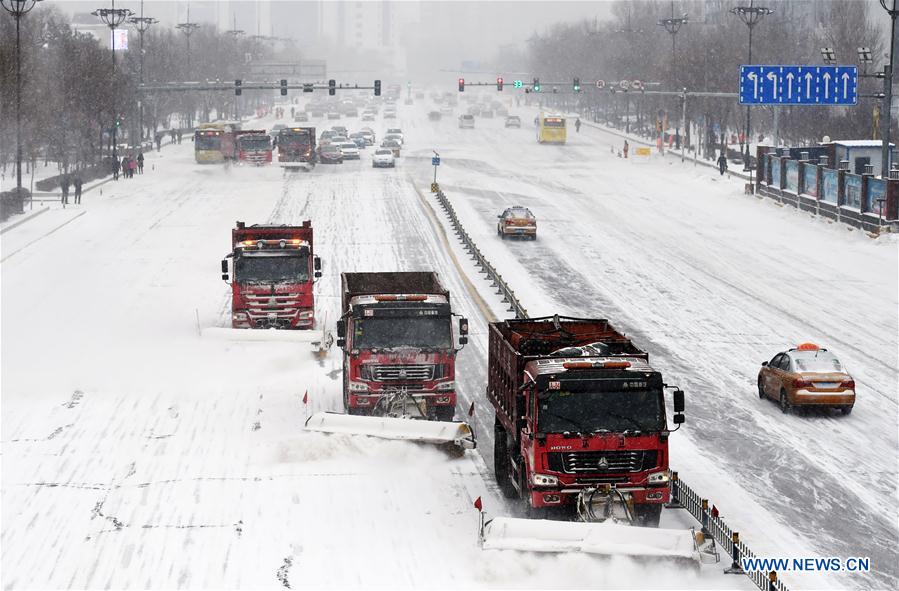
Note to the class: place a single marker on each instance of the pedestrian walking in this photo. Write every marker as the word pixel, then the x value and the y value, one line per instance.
pixel 722 163
pixel 64 185
pixel 140 163
pixel 158 141
pixel 626 148
pixel 115 168
pixel 180 133
pixel 577 125
pixel 124 167
pixel 132 166
pixel 78 183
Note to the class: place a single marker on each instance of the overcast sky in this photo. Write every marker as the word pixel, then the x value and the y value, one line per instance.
pixel 515 21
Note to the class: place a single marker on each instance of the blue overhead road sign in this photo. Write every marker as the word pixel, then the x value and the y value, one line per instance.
pixel 798 85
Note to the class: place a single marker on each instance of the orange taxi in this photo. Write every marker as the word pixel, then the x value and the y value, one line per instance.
pixel 807 376
pixel 517 221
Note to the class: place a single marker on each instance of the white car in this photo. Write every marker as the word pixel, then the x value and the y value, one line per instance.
pixel 349 150
pixel 397 131
pixel 395 137
pixel 383 157
pixel 369 136
pixel 466 121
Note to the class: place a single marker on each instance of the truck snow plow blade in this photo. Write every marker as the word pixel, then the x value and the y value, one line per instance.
pixel 251 334
pixel 436 432
pixel 608 539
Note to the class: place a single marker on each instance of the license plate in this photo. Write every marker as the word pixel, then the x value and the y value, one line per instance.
pixel 826 385
pixel 519 231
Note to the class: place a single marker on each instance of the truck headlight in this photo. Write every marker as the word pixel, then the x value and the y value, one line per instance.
pixel 358 387
pixel 240 316
pixel 544 480
pixel 444 386
pixel 658 477
pixel 306 313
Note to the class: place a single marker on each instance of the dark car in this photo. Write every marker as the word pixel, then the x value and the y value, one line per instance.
pixel 330 154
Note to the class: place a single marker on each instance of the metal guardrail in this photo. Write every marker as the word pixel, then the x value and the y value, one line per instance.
pixel 682 496
pixel 497 282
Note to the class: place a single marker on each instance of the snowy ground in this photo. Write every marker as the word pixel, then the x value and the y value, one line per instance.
pixel 137 454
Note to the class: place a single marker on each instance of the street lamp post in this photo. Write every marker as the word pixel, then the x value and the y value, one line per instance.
pixel 143 24
pixel 886 110
pixel 672 26
pixel 112 18
pixel 18 9
pixel 188 28
pixel 751 16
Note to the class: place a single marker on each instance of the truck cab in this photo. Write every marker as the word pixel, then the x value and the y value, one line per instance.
pixel 274 269
pixel 578 407
pixel 398 337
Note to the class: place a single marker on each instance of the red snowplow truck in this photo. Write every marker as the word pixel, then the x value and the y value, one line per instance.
pixel 253 147
pixel 296 147
pixel 580 418
pixel 274 269
pixel 399 356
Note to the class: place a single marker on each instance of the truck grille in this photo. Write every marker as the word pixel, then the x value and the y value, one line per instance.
pixel 282 305
pixel 602 462
pixel 403 373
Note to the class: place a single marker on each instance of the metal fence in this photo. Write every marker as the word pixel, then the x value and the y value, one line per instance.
pixel 484 266
pixel 682 496
pixel 713 525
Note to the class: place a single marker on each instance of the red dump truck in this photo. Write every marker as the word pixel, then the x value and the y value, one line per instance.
pixel 580 416
pixel 396 333
pixel 274 269
pixel 296 147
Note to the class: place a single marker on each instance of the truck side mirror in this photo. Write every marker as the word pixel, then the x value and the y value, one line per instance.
pixel 317 264
pixel 224 270
pixel 341 330
pixel 463 326
pixel 678 401
pixel 341 342
pixel 678 419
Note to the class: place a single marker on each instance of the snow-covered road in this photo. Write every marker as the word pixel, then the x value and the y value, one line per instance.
pixel 136 454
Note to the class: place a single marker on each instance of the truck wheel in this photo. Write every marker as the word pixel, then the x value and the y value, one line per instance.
pixel 444 413
pixel 647 515
pixel 502 462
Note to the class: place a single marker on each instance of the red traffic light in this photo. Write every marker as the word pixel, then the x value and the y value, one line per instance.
pixel 499 83
pixel 461 84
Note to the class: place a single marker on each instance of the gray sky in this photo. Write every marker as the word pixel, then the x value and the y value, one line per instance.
pixel 508 22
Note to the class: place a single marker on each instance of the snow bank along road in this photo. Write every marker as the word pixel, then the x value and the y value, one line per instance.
pixel 136 454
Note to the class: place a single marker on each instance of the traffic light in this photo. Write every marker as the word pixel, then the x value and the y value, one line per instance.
pixel 577 84
pixel 461 84
pixel 237 87
pixel 377 88
pixel 536 85
pixel 499 84
pixel 283 87
pixel 332 87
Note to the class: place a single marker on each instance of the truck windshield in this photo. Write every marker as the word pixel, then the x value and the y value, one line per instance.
pixel 270 269
pixel 559 411
pixel 425 332
pixel 262 142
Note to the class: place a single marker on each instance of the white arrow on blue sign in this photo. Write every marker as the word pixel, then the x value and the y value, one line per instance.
pixel 798 85
pixel 435 160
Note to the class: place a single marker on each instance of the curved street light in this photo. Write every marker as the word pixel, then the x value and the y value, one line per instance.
pixel 751 16
pixel 18 9
pixel 112 18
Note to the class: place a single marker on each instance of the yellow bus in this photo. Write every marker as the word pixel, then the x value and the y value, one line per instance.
pixel 208 143
pixel 551 129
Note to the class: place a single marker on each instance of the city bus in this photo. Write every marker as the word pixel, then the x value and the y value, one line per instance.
pixel 208 143
pixel 551 129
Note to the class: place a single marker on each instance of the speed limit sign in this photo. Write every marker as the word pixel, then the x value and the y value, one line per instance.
pixel 600 84
pixel 624 84
pixel 637 85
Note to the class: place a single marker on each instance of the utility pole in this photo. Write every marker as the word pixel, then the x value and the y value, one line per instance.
pixel 112 18
pixel 751 16
pixel 143 24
